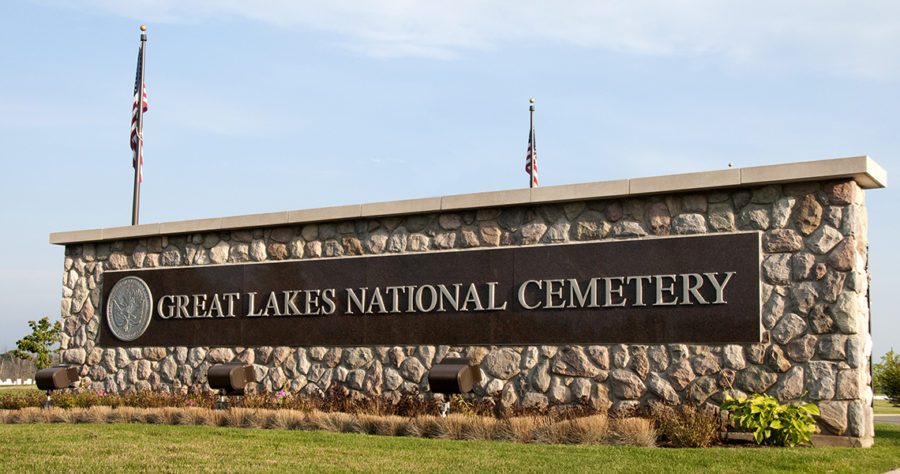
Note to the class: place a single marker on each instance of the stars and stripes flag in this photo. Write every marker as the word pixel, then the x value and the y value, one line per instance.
pixel 140 95
pixel 531 159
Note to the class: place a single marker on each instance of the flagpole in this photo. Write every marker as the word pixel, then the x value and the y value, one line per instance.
pixel 532 147
pixel 136 202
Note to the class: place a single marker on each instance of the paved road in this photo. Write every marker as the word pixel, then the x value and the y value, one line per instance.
pixel 895 419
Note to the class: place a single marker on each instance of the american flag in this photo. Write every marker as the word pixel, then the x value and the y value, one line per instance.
pixel 532 154
pixel 137 160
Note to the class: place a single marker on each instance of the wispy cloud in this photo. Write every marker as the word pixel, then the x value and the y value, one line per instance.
pixel 204 112
pixel 387 160
pixel 30 112
pixel 834 37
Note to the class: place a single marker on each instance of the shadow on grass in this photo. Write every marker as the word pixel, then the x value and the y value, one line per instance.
pixel 887 434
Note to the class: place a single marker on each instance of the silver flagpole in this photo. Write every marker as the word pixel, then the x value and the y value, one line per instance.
pixel 531 146
pixel 139 150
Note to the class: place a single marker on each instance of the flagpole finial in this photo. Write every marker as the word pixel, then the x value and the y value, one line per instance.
pixel 531 100
pixel 143 27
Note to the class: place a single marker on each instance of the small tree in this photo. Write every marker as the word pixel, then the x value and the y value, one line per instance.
pixel 887 376
pixel 38 345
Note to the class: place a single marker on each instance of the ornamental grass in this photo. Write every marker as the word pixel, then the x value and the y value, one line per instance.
pixel 595 429
pixel 408 415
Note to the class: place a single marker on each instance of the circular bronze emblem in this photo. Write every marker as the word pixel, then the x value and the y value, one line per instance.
pixel 129 308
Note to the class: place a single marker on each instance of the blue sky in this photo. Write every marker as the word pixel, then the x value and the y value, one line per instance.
pixel 276 105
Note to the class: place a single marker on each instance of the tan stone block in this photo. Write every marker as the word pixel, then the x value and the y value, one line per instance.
pixel 255 220
pixel 132 231
pixel 488 199
pixel 581 191
pixel 191 226
pixel 409 206
pixel 62 238
pixel 684 182
pixel 861 168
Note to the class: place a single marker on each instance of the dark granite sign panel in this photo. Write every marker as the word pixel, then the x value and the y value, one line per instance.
pixel 697 289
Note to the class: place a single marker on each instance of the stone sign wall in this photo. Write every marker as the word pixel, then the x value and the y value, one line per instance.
pixel 814 297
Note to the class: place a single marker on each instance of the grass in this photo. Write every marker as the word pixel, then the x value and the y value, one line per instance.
pixel 884 407
pixel 135 447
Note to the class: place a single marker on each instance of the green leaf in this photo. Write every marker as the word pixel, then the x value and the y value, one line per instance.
pixel 772 422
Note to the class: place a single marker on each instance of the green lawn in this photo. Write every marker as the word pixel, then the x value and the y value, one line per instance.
pixel 132 447
pixel 883 407
pixel 18 389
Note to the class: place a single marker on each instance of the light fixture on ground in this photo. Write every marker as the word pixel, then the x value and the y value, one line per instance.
pixel 453 375
pixel 229 379
pixel 55 378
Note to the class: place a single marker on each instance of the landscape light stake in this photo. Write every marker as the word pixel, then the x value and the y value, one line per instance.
pixel 222 404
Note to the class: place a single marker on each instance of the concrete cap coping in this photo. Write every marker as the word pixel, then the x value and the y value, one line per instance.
pixel 865 171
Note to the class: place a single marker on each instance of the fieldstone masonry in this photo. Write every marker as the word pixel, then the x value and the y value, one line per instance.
pixel 814 294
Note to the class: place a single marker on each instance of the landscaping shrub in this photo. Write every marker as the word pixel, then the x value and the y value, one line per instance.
pixel 335 399
pixel 390 425
pixel 458 404
pixel 520 429
pixel 97 414
pixel 11 401
pixel 159 416
pixel 586 430
pixel 413 427
pixel 411 405
pixel 686 426
pixel 547 432
pixel 64 400
pixel 123 415
pixel 593 429
pixel 477 428
pixel 26 415
pixel 772 422
pixel 632 431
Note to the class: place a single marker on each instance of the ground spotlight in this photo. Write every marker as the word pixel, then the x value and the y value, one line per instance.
pixel 453 375
pixel 229 379
pixel 55 378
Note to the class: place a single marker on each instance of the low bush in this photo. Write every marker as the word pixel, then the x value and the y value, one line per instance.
pixel 412 405
pixel 15 401
pixel 771 422
pixel 686 426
